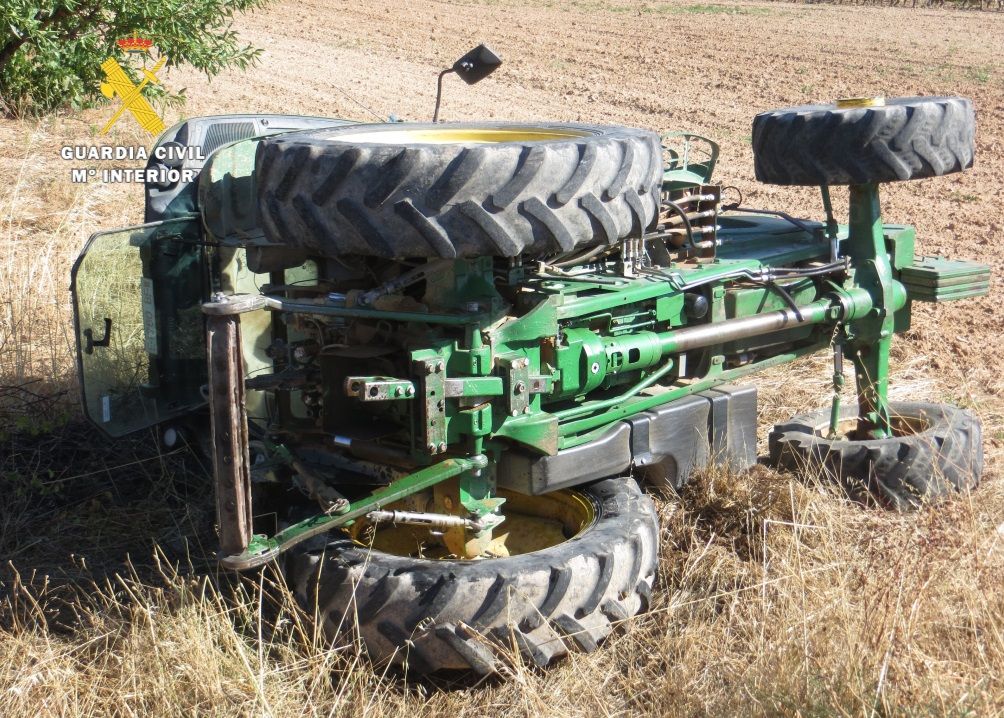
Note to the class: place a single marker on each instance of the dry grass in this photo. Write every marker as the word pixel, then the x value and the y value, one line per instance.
pixel 774 598
pixel 44 221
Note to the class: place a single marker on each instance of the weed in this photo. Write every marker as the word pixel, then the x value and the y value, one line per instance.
pixel 980 74
pixel 710 9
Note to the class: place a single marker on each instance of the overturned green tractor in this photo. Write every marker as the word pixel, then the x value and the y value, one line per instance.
pixel 433 362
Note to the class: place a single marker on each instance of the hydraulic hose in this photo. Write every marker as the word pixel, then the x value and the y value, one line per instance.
pixel 678 210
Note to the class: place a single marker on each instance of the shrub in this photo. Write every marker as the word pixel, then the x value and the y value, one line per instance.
pixel 51 51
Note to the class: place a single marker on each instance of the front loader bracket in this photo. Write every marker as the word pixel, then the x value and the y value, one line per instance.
pixel 231 461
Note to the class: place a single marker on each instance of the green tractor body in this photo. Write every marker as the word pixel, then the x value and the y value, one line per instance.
pixel 430 391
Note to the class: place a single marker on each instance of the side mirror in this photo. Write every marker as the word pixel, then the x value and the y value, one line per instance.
pixel 473 67
pixel 477 64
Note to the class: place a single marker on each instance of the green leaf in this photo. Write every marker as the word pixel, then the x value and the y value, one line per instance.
pixel 61 44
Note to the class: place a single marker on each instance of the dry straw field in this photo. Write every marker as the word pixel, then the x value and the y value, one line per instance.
pixel 775 598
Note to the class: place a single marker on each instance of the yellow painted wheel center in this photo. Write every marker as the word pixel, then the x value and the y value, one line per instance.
pixel 448 134
pixel 531 523
pixel 850 102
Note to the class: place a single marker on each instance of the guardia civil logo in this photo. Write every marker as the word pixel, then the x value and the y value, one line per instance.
pixel 130 95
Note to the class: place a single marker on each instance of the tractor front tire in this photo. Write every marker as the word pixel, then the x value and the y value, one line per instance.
pixel 906 138
pixel 457 190
pixel 426 615
pixel 941 458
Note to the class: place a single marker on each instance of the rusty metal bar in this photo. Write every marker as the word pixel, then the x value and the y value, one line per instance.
pixel 231 462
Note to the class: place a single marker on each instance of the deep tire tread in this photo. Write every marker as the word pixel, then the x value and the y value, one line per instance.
pixel 904 472
pixel 456 615
pixel 454 200
pixel 908 138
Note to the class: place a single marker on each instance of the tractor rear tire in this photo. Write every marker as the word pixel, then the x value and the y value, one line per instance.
pixel 907 138
pixel 904 472
pixel 426 615
pixel 457 190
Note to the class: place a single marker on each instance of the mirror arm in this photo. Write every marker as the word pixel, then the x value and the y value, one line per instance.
pixel 439 92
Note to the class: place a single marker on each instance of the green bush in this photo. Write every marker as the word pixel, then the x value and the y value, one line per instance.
pixel 51 52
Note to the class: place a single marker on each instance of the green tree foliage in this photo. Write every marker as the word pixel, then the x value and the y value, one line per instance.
pixel 51 50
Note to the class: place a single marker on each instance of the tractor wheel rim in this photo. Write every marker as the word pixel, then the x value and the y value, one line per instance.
pixel 448 134
pixel 532 523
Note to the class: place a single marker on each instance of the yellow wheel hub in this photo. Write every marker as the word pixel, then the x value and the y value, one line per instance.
pixel 531 523
pixel 448 134
pixel 850 102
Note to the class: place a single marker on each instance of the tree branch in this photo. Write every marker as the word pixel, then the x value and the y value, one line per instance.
pixel 8 50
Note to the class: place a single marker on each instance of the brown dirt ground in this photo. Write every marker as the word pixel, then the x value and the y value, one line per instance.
pixel 662 65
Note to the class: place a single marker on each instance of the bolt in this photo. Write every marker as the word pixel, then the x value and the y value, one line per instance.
pixel 595 368
pixel 431 448
pixel 526 410
pixel 440 366
pixel 441 405
pixel 442 447
pixel 409 391
pixel 515 412
pixel 398 391
pixel 519 388
pixel 428 368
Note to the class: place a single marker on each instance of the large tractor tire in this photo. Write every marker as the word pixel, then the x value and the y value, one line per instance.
pixel 457 190
pixel 906 138
pixel 427 615
pixel 937 453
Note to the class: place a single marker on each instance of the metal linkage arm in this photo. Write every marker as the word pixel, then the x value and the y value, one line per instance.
pixel 263 549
